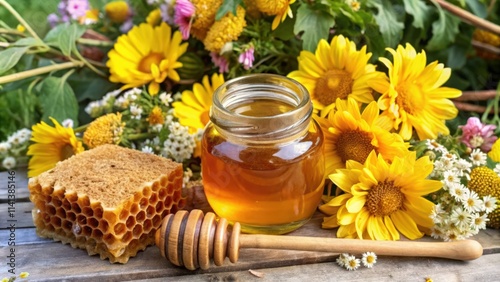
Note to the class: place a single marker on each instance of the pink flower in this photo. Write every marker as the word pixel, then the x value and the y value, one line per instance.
pixel 246 58
pixel 183 13
pixel 77 8
pixel 478 135
pixel 220 61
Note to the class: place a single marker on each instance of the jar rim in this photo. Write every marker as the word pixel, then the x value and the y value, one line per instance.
pixel 255 87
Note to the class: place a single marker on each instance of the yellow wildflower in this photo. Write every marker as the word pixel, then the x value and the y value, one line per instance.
pixel 117 11
pixel 156 116
pixel 204 17
pixel 494 153
pixel 107 129
pixel 225 30
pixel 154 17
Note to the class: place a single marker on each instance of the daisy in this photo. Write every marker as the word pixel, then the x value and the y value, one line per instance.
pixel 479 221
pixel 369 259
pixel 472 203
pixel 193 109
pixel 352 135
pixel 336 70
pixel 51 145
pixel 382 199
pixel 458 191
pixel 412 97
pixel 460 217
pixel 432 144
pixel 9 163
pixel 489 203
pixel 478 157
pixel 342 259
pixel 146 54
pixel 352 263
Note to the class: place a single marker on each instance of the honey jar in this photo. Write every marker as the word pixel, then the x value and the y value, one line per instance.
pixel 262 154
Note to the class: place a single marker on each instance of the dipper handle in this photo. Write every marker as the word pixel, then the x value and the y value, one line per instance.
pixel 191 239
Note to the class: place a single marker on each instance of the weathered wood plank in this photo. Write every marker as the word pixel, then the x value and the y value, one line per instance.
pixel 21 212
pixel 20 179
pixel 387 269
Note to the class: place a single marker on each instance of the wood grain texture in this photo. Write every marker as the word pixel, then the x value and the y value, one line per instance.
pixel 47 260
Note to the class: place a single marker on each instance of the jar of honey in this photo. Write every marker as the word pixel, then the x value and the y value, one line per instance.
pixel 262 154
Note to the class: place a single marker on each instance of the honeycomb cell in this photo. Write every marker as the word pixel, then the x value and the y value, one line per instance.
pixel 159 207
pixel 127 237
pixel 143 203
pixel 137 231
pixel 147 225
pixel 163 182
pixel 140 216
pixel 67 225
pixel 51 210
pixel 119 229
pixel 88 211
pixel 92 222
pixel 76 208
pixel 130 222
pixel 109 239
pixel 56 202
pixel 134 209
pixel 170 188
pixel 71 216
pixel 150 211
pixel 162 194
pixel 96 233
pixel 81 219
pixel 109 217
pixel 98 211
pixel 177 196
pixel 103 225
pixel 156 221
pixel 76 229
pixel 146 192
pixel 86 231
pixel 153 198
pixel 56 221
pixel 72 198
pixel 168 202
pixel 124 214
pixel 84 201
pixel 66 204
pixel 61 213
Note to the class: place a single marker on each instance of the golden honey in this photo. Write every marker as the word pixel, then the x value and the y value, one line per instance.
pixel 262 155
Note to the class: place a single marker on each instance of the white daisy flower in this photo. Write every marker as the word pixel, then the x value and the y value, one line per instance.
pixel 435 146
pixel 478 158
pixel 147 149
pixel 9 163
pixel 166 99
pixel 458 191
pixel 450 176
pixel 4 147
pixel 352 263
pixel 369 259
pixel 135 111
pixel 460 217
pixel 489 203
pixel 472 203
pixel 342 259
pixel 479 221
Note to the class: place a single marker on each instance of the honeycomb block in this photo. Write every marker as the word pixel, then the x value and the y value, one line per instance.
pixel 109 200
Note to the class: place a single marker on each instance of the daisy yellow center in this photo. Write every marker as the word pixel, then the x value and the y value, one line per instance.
pixel 354 145
pixel 332 85
pixel 410 98
pixel 146 62
pixel 384 199
pixel 156 116
pixel 66 151
pixel 370 259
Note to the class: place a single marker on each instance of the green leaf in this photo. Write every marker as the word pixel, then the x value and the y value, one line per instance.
pixel 228 6
pixel 444 31
pixel 9 57
pixel 29 42
pixel 478 8
pixel 90 87
pixel 315 23
pixel 58 100
pixel 386 18
pixel 418 10
pixel 64 37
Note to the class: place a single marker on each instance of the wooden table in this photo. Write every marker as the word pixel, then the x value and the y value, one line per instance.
pixel 46 260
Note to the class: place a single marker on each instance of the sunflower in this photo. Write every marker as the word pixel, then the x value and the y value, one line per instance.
pixel 336 70
pixel 382 199
pixel 412 96
pixel 146 54
pixel 352 135
pixel 280 9
pixel 193 110
pixel 51 145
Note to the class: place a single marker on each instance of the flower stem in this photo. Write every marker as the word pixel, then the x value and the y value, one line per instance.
pixel 20 19
pixel 138 136
pixel 29 73
pixel 469 17
pixel 94 42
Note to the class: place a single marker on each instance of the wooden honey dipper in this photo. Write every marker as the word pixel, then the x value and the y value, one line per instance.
pixel 190 239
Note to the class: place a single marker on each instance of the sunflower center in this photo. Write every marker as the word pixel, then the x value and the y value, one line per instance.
pixel 146 62
pixel 332 85
pixel 354 145
pixel 66 152
pixel 384 199
pixel 410 98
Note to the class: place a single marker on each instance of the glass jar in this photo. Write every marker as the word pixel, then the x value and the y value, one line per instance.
pixel 262 154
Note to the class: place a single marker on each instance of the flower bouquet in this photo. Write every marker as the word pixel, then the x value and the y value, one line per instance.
pixel 406 93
